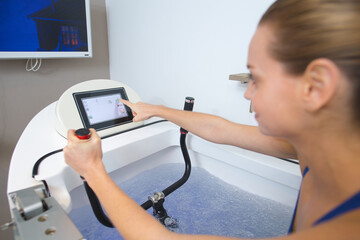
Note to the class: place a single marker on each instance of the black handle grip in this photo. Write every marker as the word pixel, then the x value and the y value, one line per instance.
pixel 188 106
pixel 189 103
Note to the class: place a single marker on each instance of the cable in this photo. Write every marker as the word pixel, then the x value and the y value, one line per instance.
pixel 36 166
pixel 36 169
pixel 33 66
pixel 96 207
pixel 38 162
pixel 146 205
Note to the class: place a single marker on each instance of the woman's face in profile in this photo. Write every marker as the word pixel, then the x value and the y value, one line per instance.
pixel 275 94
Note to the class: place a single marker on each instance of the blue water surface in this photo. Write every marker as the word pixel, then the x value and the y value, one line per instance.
pixel 203 205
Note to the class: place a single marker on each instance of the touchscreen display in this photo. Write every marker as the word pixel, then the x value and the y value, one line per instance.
pixel 103 109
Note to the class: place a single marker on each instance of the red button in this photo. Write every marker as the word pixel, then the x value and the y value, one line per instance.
pixel 82 133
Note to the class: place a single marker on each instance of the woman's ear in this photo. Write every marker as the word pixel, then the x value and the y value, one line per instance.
pixel 320 83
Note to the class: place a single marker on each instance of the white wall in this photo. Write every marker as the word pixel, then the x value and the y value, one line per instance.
pixel 169 49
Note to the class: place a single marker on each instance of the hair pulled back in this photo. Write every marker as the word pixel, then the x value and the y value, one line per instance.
pixel 306 30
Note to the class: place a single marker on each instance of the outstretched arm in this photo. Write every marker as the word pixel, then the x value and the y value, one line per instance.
pixel 216 129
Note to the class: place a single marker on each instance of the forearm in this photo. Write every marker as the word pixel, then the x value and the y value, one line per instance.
pixel 222 131
pixel 201 124
pixel 250 138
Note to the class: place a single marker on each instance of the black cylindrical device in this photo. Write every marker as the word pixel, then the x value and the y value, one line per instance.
pixel 188 106
pixel 189 103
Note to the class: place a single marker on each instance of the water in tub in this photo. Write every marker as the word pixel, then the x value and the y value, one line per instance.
pixel 203 205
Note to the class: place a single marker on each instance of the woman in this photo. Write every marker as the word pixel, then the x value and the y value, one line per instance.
pixel 304 61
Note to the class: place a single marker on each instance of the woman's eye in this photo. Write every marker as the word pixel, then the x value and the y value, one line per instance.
pixel 251 77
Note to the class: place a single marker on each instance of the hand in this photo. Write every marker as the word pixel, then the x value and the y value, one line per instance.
pixel 141 111
pixel 84 156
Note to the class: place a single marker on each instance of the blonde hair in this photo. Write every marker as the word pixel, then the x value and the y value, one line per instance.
pixel 309 29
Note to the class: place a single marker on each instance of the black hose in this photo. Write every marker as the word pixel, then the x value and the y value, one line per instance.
pixel 36 169
pixel 146 205
pixel 96 207
pixel 186 175
pixel 38 162
pixel 36 166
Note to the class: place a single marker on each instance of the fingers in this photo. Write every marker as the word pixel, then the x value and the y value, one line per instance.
pixel 82 154
pixel 71 135
pixel 94 136
pixel 93 132
pixel 141 111
pixel 127 103
pixel 132 106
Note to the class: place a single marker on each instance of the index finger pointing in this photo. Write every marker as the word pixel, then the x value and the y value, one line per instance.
pixel 127 103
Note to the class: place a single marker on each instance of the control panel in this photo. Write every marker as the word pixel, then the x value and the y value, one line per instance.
pixel 96 104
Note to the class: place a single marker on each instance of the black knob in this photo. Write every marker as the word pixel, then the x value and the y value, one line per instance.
pixel 83 133
pixel 189 104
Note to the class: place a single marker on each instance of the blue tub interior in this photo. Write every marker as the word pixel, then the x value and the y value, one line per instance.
pixel 203 205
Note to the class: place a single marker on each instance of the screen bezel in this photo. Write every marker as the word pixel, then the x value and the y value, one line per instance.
pixel 56 54
pixel 78 96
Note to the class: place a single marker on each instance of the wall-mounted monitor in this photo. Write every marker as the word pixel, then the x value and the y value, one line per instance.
pixel 45 29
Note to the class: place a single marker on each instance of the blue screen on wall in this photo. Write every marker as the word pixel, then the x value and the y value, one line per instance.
pixel 44 28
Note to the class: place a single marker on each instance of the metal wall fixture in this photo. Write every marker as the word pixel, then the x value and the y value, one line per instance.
pixel 243 78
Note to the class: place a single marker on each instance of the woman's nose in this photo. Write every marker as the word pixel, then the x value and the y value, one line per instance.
pixel 248 91
pixel 248 95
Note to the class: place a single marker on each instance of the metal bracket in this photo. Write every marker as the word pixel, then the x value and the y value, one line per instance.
pixel 241 77
pixel 38 216
pixel 157 197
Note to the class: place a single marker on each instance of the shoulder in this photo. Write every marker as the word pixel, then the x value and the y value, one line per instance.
pixel 345 226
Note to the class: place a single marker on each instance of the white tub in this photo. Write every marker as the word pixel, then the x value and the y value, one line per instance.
pixel 143 149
